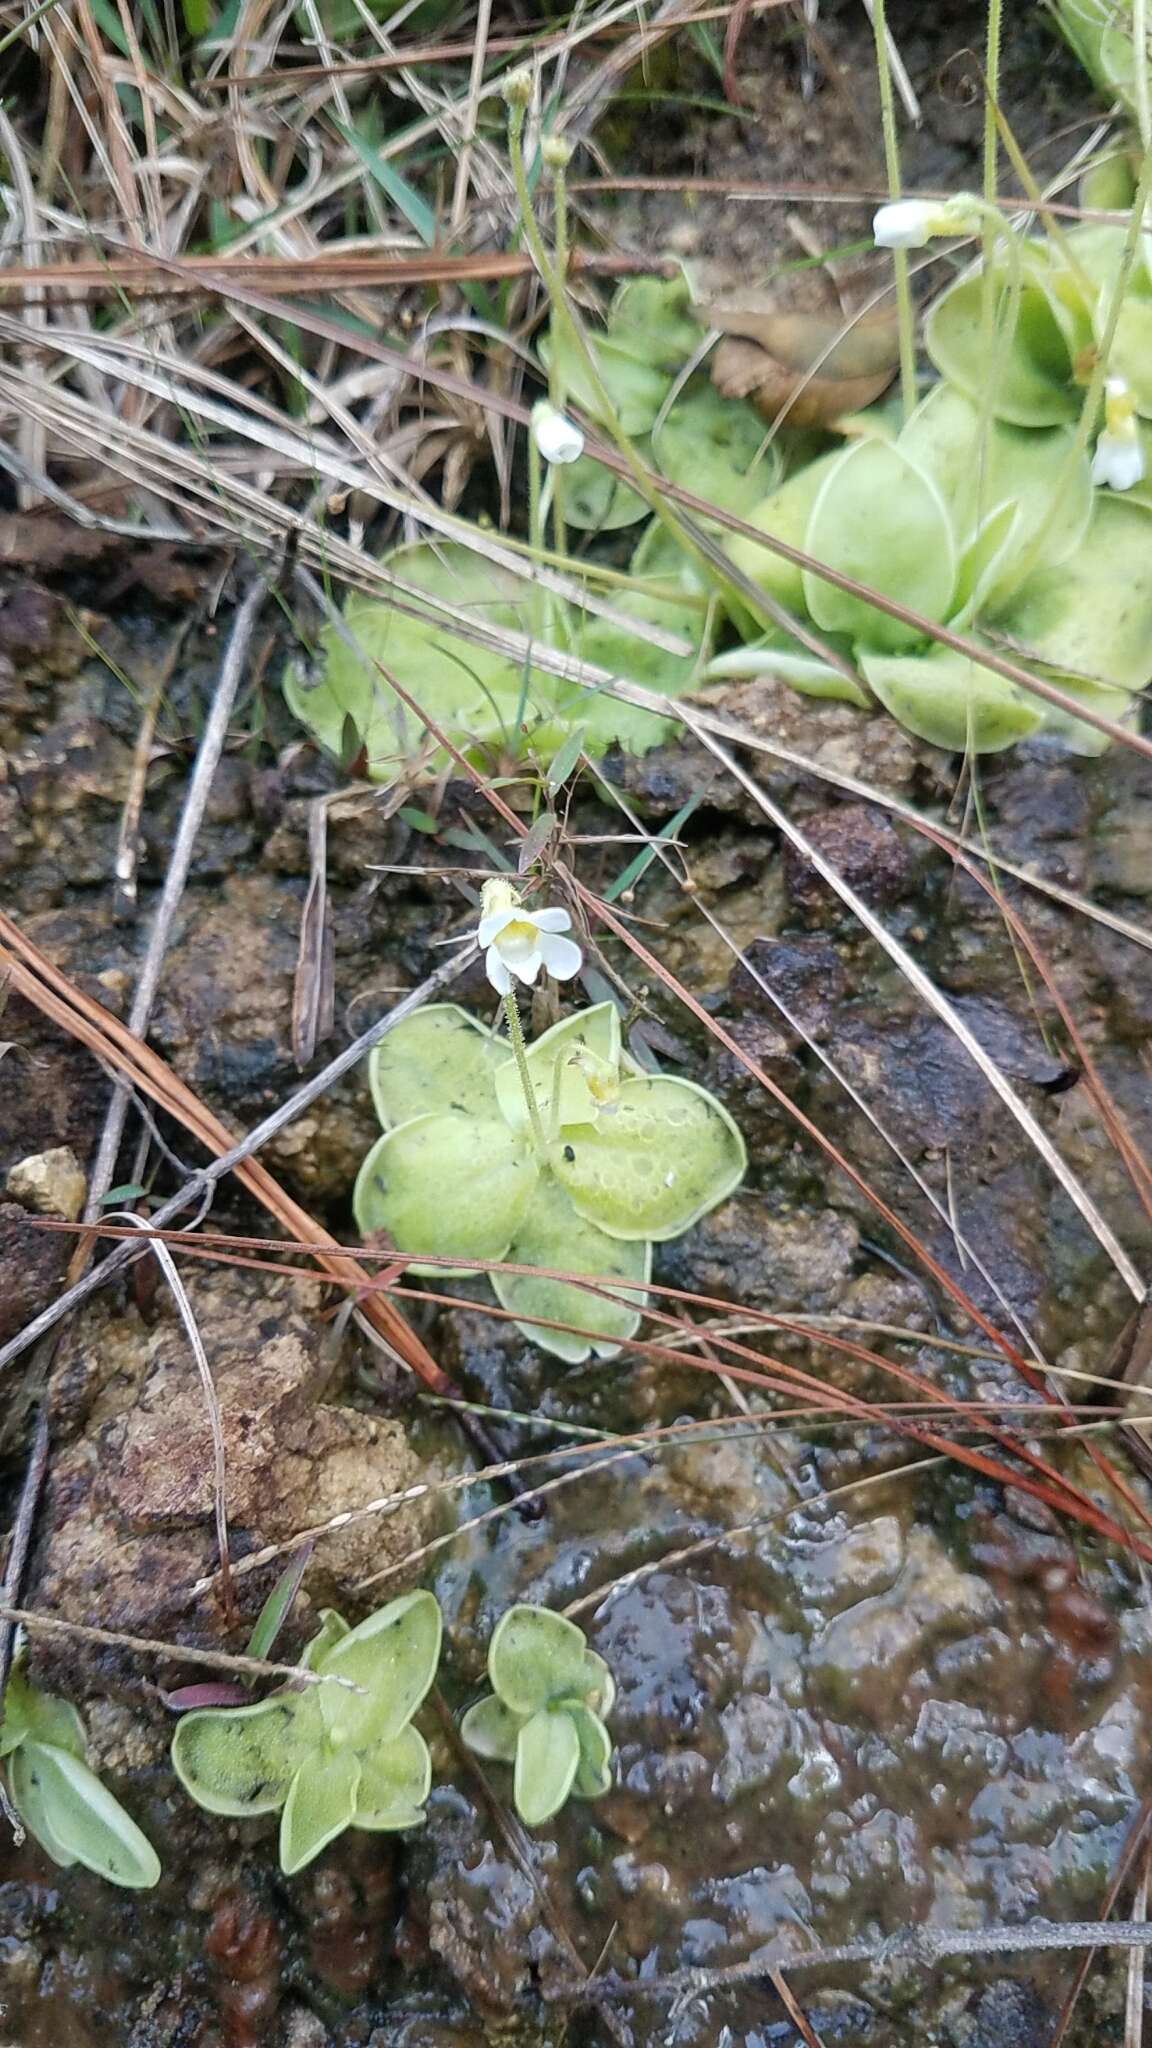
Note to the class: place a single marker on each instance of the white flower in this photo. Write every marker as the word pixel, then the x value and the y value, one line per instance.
pixel 558 438
pixel 519 942
pixel 1118 459
pixel 911 223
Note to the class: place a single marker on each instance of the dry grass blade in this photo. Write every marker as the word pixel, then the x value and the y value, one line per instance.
pixel 34 976
pixel 936 1000
pixel 179 1653
pixel 167 1264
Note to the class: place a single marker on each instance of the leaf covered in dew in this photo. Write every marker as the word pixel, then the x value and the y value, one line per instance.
pixel 535 1658
pixel 76 1819
pixel 547 1760
pixel 880 520
pixel 666 1154
pixel 392 1656
pixel 446 1186
pixel 560 1063
pixel 490 1729
pixel 554 1235
pixel 242 1760
pixel 437 1059
pixel 952 701
pixel 395 1780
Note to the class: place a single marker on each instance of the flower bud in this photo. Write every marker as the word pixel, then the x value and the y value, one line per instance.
pixel 558 438
pixel 517 87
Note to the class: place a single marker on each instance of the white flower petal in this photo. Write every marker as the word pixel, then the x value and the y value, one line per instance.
pixel 551 920
pixel 494 923
pixel 558 438
pixel 1118 462
pixel 906 224
pixel 517 944
pixel 496 971
pixel 562 957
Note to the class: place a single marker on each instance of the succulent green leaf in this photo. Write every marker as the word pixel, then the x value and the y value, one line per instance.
pixel 536 1657
pixel 783 515
pixel 594 1770
pixel 951 700
pixel 881 521
pixel 1031 367
pixel 547 1759
pixel 982 562
pixel 395 1780
pixel 490 1729
pixel 393 1656
pixel 242 1760
pixel 1078 737
pixel 447 1186
pixel 715 446
pixel 553 1234
pixel 437 1059
pixel 598 501
pixel 635 390
pixel 599 1688
pixel 806 672
pixel 1131 352
pixel 333 1628
pixel 560 1063
pixel 469 692
pixel 651 316
pixel 667 1154
pixel 69 1810
pixel 1093 616
pixel 320 1805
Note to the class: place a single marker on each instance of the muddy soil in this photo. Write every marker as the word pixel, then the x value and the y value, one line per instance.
pixel 929 1701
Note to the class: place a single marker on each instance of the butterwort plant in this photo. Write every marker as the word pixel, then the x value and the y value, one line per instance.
pixel 564 1155
pixel 59 1798
pixel 341 1753
pixel 546 1712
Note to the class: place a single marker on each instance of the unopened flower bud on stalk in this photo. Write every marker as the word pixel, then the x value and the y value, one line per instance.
pixel 1118 458
pixel 556 436
pixel 519 942
pixel 556 152
pixel 517 87
pixel 912 223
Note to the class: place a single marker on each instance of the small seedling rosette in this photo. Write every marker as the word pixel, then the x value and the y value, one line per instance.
pixel 545 1714
pixel 59 1799
pixel 631 1160
pixel 326 1757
